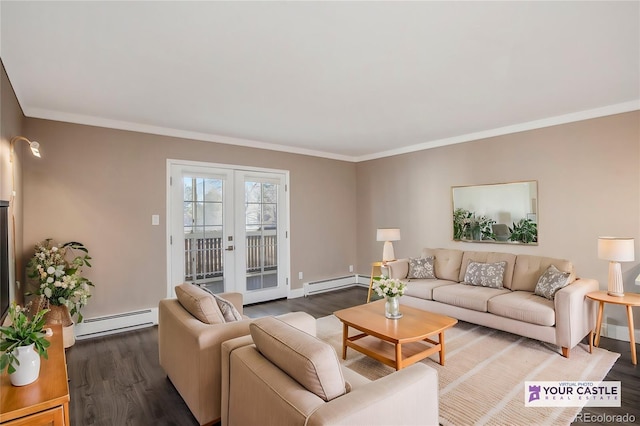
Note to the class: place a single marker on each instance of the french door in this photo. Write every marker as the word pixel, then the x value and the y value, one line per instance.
pixel 228 230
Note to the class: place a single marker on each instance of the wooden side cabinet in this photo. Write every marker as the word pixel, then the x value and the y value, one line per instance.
pixel 43 402
pixel 51 417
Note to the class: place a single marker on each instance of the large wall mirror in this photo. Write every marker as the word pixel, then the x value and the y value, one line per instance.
pixel 497 213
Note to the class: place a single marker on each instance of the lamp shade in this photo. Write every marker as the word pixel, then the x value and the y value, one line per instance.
pixel 616 249
pixel 35 148
pixel 388 234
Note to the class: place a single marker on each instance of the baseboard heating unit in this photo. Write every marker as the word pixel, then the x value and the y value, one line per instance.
pixel 322 286
pixel 118 323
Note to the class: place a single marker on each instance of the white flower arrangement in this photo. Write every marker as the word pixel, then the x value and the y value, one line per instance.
pixel 388 287
pixel 60 280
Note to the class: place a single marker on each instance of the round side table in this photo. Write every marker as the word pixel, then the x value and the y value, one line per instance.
pixel 629 300
pixel 376 269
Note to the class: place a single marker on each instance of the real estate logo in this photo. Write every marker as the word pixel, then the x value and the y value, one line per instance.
pixel 572 394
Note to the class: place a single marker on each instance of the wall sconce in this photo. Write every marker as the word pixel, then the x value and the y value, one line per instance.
pixel 35 150
pixel 387 235
pixel 35 146
pixel 615 250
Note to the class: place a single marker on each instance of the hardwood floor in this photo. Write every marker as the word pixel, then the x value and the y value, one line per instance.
pixel 628 375
pixel 117 380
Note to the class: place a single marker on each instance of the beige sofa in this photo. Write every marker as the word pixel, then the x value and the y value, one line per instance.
pixel 281 375
pixel 563 320
pixel 190 349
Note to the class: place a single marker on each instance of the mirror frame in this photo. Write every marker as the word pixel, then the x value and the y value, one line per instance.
pixel 477 225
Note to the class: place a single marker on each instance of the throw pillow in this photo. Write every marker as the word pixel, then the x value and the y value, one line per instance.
pixel 199 303
pixel 421 268
pixel 551 281
pixel 308 360
pixel 229 312
pixel 485 274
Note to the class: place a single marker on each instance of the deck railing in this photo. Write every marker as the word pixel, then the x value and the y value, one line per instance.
pixel 204 254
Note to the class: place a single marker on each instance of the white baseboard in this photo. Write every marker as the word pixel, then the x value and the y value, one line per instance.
pixel 126 321
pixel 618 332
pixel 295 293
pixel 118 323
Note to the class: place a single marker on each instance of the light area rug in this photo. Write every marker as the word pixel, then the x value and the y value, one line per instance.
pixel 482 381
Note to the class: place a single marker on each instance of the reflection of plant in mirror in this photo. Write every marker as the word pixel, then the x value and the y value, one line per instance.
pixel 459 218
pixel 525 231
pixel 466 225
pixel 486 229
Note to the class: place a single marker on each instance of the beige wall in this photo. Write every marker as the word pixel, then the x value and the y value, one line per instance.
pixel 101 186
pixel 10 126
pixel 588 186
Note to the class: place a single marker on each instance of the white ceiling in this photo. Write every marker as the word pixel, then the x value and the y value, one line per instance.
pixel 345 80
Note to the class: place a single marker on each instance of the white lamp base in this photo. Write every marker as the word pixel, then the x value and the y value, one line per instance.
pixel 616 285
pixel 387 252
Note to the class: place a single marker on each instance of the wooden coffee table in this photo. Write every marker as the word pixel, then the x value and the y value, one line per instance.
pixel 397 343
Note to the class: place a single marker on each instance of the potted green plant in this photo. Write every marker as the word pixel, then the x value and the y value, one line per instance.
pixel 22 343
pixel 525 231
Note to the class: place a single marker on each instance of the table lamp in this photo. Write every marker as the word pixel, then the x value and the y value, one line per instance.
pixel 387 235
pixel 615 250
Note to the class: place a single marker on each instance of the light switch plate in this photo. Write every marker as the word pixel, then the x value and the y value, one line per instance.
pixel 155 219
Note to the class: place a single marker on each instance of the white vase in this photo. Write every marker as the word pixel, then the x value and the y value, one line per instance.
pixel 29 368
pixel 392 307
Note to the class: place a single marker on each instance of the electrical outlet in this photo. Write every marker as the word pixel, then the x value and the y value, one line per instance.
pixel 300 276
pixel 350 268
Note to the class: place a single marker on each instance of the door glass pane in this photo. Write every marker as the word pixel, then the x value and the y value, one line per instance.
pixel 213 190
pixel 270 193
pixel 203 232
pixel 262 235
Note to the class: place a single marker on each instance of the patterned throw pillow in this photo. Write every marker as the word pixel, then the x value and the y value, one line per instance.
pixel 485 274
pixel 551 281
pixel 421 268
pixel 229 312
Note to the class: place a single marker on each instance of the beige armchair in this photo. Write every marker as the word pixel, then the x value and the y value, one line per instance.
pixel 190 350
pixel 280 375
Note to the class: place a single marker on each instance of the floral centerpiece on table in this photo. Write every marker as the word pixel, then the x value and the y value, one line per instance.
pixel 22 331
pixel 388 287
pixel 58 270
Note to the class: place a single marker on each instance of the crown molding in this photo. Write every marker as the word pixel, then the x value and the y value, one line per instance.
pixel 177 133
pixel 521 127
pixel 185 134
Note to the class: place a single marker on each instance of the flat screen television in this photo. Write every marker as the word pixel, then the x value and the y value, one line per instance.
pixel 4 259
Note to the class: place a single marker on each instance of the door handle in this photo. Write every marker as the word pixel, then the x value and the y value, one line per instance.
pixel 229 248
